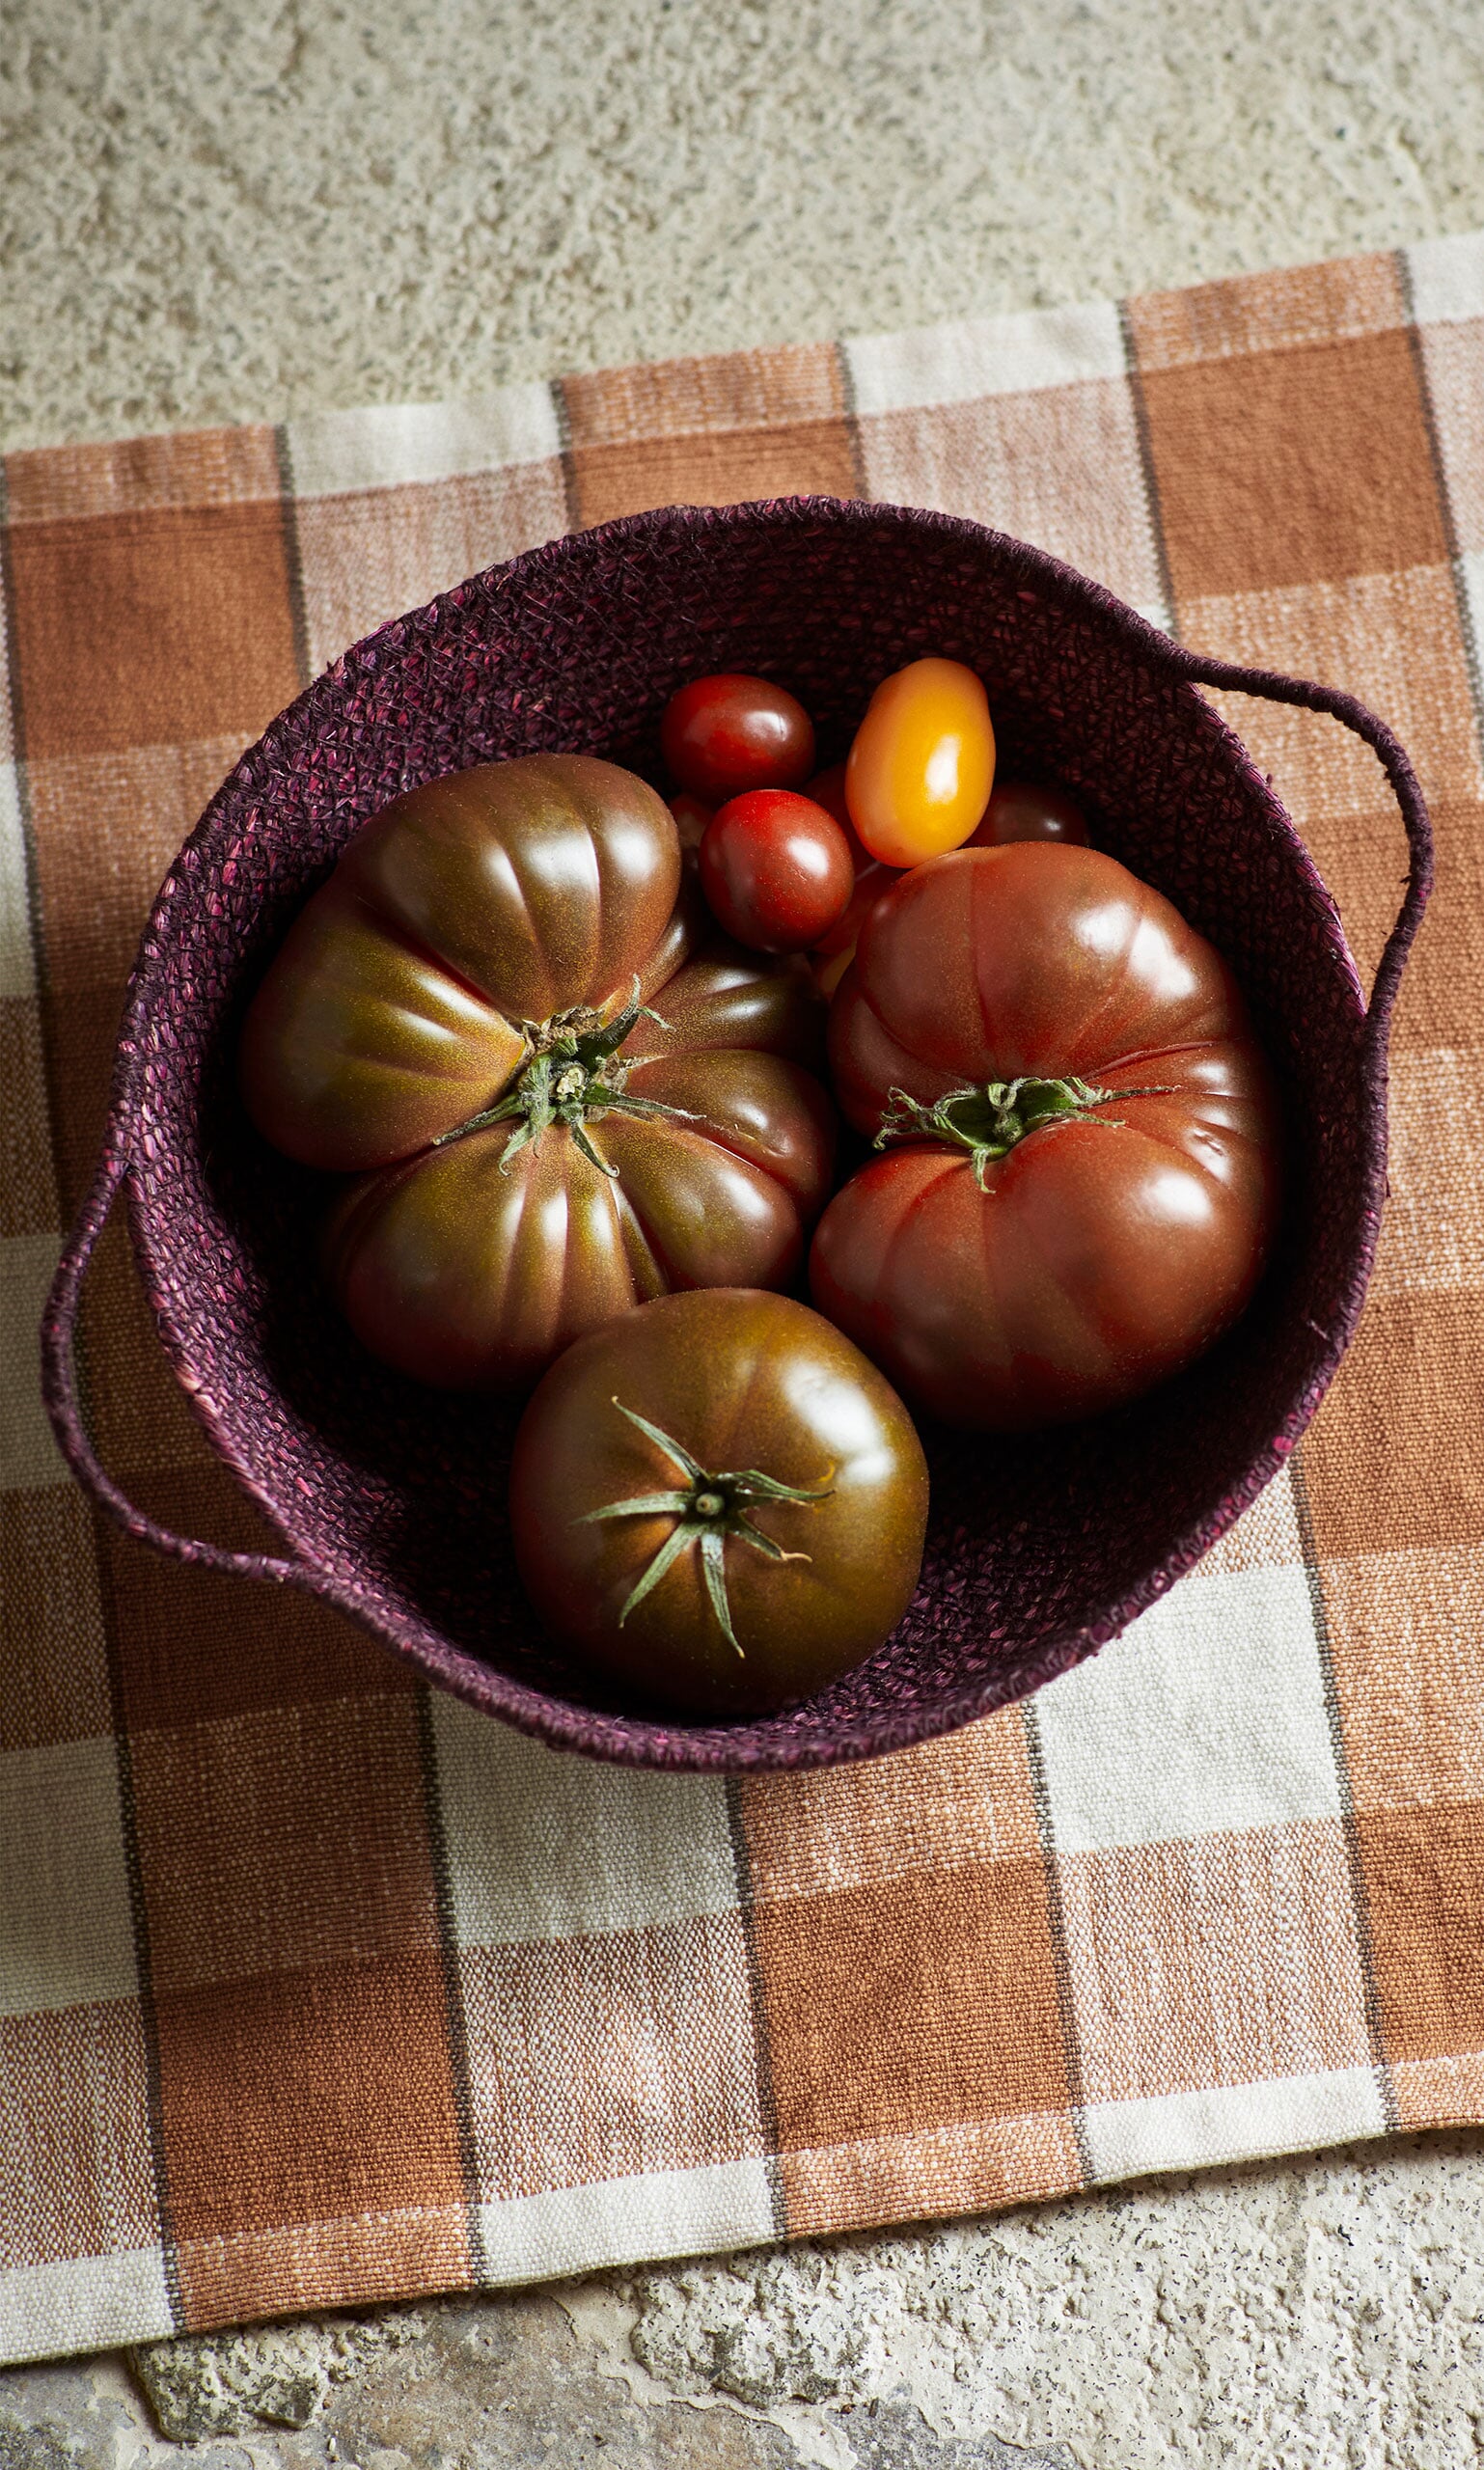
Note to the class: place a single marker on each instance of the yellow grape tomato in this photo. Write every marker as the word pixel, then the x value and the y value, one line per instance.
pixel 923 764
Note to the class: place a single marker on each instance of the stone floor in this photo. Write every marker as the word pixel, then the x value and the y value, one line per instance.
pixel 1322 2314
pixel 222 208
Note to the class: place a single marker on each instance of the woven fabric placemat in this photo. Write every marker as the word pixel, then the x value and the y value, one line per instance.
pixel 317 1989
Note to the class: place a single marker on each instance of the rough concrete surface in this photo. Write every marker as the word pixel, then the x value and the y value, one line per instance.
pixel 226 208
pixel 213 211
pixel 1327 2314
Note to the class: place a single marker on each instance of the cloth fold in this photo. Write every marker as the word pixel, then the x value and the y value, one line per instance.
pixel 316 1989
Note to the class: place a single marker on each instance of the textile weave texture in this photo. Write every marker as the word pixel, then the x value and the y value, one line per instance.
pixel 316 1987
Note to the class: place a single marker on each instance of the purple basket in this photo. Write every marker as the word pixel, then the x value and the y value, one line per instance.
pixel 391 1498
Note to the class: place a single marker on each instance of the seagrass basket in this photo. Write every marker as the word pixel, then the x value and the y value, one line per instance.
pixel 389 1498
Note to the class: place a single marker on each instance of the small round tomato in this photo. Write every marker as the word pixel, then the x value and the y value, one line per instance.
pixel 831 957
pixel 720 735
pixel 919 775
pixel 1019 811
pixel 775 870
pixel 1087 1173
pixel 718 1501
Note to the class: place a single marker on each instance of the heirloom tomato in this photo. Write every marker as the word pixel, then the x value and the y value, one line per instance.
pixel 775 870
pixel 921 765
pixel 1018 811
pixel 572 1092
pixel 719 1501
pixel 1083 1172
pixel 720 735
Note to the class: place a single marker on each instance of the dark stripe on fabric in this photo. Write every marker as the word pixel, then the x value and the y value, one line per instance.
pixel 847 378
pixel 1060 1958
pixel 1472 662
pixel 139 1920
pixel 459 2069
pixel 299 611
pixel 1147 466
pixel 763 2041
pixel 144 1965
pixel 1360 1893
pixel 571 494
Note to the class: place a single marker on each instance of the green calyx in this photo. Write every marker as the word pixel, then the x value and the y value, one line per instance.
pixel 571 1074
pixel 707 1509
pixel 990 1118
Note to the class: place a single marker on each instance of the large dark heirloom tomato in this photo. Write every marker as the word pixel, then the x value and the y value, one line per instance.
pixel 571 1098
pixel 1088 1170
pixel 719 1500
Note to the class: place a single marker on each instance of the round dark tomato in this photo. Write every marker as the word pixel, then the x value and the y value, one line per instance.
pixel 720 735
pixel 718 1501
pixel 832 955
pixel 776 870
pixel 1082 1171
pixel 572 1094
pixel 1018 811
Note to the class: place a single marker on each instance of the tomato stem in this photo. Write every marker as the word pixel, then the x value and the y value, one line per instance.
pixel 989 1118
pixel 706 1510
pixel 571 1074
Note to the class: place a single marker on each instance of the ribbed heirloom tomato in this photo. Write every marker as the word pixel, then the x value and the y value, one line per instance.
pixel 571 1092
pixel 1081 1173
pixel 719 1500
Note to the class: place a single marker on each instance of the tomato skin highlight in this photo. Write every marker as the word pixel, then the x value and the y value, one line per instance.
pixel 1019 811
pixel 1107 1248
pixel 776 870
pixel 922 766
pixel 727 733
pixel 741 1380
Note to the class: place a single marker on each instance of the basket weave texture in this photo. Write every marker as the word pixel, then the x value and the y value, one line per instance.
pixel 390 1498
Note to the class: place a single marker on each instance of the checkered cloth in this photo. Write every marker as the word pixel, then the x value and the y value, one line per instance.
pixel 315 1988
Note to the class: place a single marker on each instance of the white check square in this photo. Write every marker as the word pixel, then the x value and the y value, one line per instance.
pixel 1208 1713
pixel 544 1845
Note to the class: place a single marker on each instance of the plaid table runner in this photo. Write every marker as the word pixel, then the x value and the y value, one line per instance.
pixel 316 1989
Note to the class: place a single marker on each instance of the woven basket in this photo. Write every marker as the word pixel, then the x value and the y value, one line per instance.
pixel 390 1497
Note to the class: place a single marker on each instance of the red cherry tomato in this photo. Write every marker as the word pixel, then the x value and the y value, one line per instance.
pixel 1088 1173
pixel 1018 811
pixel 921 770
pixel 834 952
pixel 723 734
pixel 775 870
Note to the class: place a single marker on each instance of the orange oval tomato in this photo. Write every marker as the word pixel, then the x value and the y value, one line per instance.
pixel 919 775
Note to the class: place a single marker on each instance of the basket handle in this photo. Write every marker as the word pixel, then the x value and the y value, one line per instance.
pixel 60 1390
pixel 1204 670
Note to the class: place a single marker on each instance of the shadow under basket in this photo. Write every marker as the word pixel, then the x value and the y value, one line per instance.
pixel 389 1498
